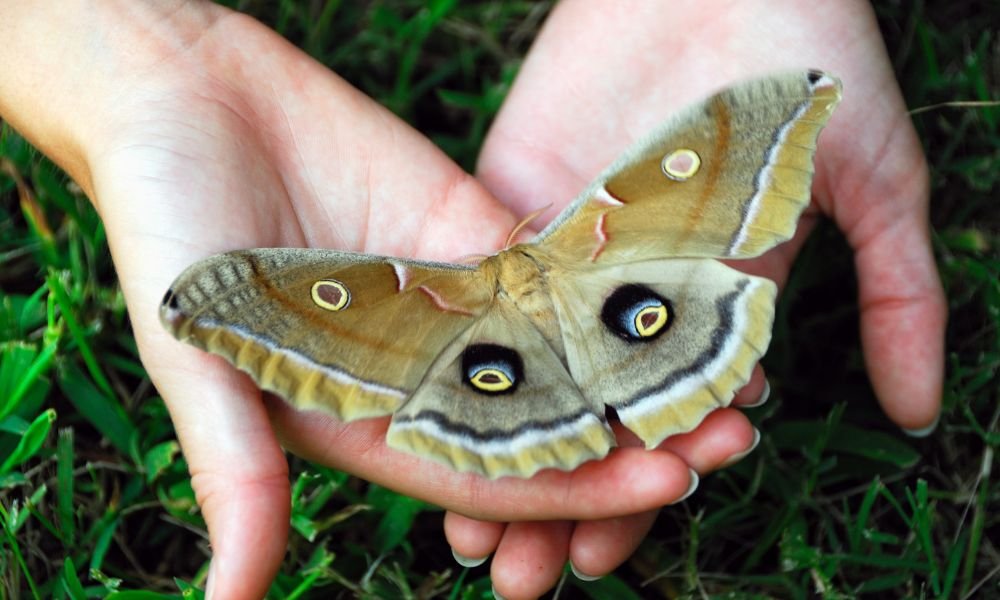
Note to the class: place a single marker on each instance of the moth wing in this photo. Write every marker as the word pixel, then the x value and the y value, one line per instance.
pixel 273 313
pixel 699 351
pixel 727 177
pixel 541 421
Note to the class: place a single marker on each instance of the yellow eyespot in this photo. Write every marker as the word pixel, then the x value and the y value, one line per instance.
pixel 331 294
pixel 491 380
pixel 681 164
pixel 650 320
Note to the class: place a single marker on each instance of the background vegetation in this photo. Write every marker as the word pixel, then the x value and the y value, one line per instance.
pixel 836 502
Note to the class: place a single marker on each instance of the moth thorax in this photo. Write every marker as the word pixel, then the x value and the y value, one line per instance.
pixel 521 279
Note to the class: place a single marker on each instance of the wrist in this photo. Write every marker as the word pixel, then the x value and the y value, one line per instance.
pixel 67 71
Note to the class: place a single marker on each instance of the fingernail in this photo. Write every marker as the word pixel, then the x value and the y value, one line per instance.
pixel 467 562
pixel 495 594
pixel 210 582
pixel 732 460
pixel 764 395
pixel 926 431
pixel 691 487
pixel 582 576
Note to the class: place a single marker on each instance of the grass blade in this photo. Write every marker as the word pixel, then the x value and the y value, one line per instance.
pixel 64 490
pixel 76 332
pixel 105 414
pixel 31 441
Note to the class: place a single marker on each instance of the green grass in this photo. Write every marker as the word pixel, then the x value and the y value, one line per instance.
pixel 94 494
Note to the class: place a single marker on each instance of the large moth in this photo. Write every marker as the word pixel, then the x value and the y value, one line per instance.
pixel 507 367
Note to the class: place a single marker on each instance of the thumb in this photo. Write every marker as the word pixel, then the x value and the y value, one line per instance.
pixel 884 214
pixel 238 470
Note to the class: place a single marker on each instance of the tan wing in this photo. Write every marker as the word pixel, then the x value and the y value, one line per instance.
pixel 347 333
pixel 728 177
pixel 499 402
pixel 663 370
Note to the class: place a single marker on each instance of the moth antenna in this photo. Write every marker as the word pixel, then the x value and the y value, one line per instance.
pixel 472 258
pixel 524 222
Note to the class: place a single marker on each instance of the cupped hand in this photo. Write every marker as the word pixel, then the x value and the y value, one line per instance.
pixel 599 78
pixel 205 132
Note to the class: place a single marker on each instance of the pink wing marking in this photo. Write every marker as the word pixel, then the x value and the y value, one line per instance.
pixel 402 276
pixel 602 237
pixel 605 197
pixel 441 303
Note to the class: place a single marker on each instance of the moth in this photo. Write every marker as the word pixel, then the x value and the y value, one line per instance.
pixel 509 366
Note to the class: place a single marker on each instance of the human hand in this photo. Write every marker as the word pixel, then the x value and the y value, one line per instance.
pixel 193 145
pixel 597 79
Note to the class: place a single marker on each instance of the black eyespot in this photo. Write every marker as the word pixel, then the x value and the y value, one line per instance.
pixel 492 370
pixel 814 76
pixel 170 299
pixel 637 313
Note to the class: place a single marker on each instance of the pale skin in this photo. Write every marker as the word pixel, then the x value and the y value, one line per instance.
pixel 190 144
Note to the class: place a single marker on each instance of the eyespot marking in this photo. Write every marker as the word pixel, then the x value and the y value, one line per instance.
pixel 637 313
pixel 170 300
pixel 491 380
pixel 650 320
pixel 331 294
pixel 491 369
pixel 681 164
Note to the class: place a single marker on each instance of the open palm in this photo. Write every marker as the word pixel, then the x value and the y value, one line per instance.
pixel 597 80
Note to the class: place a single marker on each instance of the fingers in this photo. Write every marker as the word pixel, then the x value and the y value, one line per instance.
pixel 723 437
pixel 598 547
pixel 530 558
pixel 472 541
pixel 641 480
pixel 756 392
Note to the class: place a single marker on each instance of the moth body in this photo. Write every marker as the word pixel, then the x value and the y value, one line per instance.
pixel 522 279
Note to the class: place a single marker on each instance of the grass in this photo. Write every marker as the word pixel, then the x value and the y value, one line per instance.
pixel 836 503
